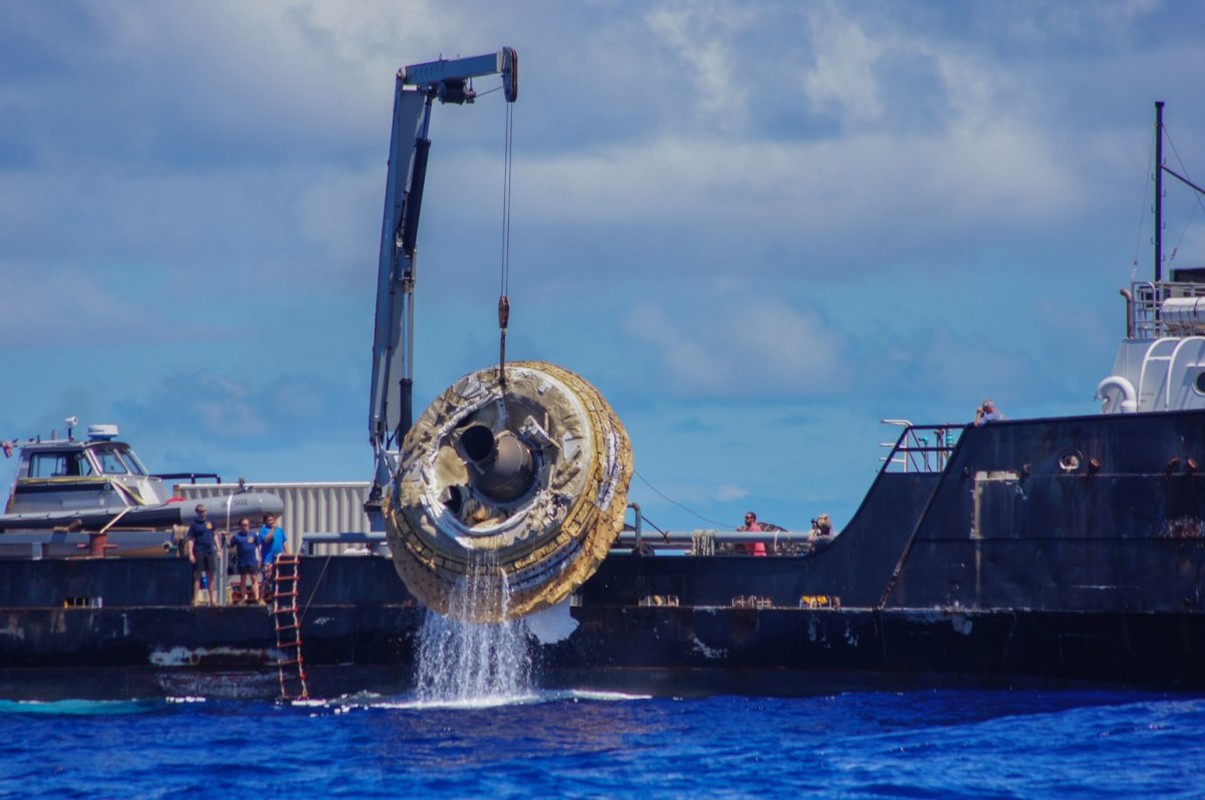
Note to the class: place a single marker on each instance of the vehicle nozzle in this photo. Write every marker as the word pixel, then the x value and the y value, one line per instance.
pixel 500 465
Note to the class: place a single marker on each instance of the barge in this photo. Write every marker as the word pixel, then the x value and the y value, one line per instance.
pixel 1053 552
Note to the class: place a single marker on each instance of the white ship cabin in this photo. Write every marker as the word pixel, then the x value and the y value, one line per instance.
pixel 62 474
pixel 1161 363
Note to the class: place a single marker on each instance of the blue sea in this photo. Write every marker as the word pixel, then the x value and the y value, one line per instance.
pixel 940 744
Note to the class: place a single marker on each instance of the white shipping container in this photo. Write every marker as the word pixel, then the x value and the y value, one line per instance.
pixel 309 507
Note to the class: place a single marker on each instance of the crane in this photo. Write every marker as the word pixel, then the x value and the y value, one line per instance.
pixel 391 394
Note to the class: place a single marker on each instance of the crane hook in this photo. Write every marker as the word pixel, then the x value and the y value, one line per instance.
pixel 503 321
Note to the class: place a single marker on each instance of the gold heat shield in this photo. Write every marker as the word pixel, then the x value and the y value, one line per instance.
pixel 531 552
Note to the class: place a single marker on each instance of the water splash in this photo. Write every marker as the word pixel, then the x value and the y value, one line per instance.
pixel 469 663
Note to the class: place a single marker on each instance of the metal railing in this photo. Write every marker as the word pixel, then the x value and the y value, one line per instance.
pixel 920 448
pixel 345 543
pixel 1145 306
pixel 191 477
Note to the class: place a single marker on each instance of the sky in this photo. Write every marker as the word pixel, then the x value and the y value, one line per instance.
pixel 758 228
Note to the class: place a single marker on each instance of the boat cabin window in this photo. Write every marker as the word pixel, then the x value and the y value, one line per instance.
pixel 134 462
pixel 59 465
pixel 117 461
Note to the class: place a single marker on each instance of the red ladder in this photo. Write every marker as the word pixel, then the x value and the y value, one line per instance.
pixel 288 629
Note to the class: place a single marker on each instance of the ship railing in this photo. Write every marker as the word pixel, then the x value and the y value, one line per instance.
pixel 920 448
pixel 1147 309
pixel 361 543
pixel 191 477
pixel 707 542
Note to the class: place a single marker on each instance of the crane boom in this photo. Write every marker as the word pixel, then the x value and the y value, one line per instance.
pixel 416 88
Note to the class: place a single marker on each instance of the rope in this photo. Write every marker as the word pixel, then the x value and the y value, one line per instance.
pixel 315 589
pixel 702 543
pixel 1146 193
pixel 690 511
pixel 1196 196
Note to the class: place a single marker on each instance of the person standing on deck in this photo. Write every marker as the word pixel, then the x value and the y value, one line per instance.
pixel 272 543
pixel 246 543
pixel 202 546
pixel 821 535
pixel 751 524
pixel 987 413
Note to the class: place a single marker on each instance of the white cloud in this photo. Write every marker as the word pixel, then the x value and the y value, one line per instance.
pixel 702 36
pixel 800 191
pixel 1043 22
pixel 747 345
pixel 730 491
pixel 842 80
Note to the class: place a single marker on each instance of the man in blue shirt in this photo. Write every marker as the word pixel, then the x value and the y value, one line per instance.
pixel 272 542
pixel 202 546
pixel 987 413
pixel 246 543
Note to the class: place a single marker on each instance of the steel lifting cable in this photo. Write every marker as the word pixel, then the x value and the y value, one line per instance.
pixel 1142 216
pixel 1197 197
pixel 504 288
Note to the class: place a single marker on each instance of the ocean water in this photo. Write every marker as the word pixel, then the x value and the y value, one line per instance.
pixel 941 744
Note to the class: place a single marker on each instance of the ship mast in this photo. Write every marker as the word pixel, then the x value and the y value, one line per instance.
pixel 1161 168
pixel 1158 191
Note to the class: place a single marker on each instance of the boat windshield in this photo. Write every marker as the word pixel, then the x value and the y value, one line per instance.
pixel 134 462
pixel 117 461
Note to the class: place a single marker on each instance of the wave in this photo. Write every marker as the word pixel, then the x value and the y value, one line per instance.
pixel 366 700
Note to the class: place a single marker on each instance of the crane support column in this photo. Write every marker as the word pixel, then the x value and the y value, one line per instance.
pixel 417 86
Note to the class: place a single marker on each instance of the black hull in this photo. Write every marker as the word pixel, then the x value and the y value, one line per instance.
pixel 113 628
pixel 788 652
pixel 114 652
pixel 1048 553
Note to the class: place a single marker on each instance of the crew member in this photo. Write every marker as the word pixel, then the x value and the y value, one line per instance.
pixel 272 543
pixel 821 535
pixel 246 543
pixel 987 413
pixel 751 524
pixel 202 545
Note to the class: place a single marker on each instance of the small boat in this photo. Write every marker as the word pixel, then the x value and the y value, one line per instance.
pixel 94 496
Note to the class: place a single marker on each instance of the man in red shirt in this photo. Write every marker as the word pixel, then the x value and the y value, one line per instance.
pixel 752 548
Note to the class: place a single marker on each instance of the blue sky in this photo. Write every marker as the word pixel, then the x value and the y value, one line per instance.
pixel 758 228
